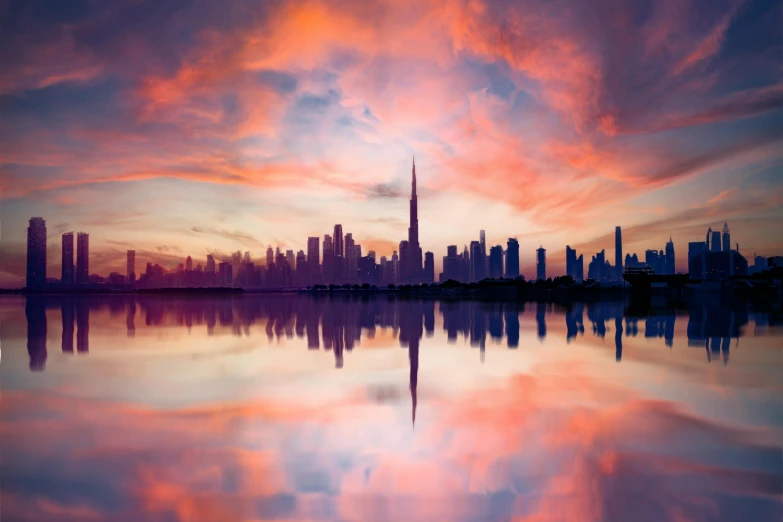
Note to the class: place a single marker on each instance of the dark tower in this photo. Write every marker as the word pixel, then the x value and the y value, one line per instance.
pixel 670 268
pixel 36 253
pixel 726 237
pixel 618 252
pixel 512 258
pixel 82 257
pixel 413 267
pixel 67 259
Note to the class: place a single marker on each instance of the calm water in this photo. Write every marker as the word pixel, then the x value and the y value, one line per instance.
pixel 299 408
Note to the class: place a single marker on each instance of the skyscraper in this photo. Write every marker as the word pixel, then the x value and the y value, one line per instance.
pixel 351 261
pixel 82 257
pixel 541 263
pixel 669 262
pixel 313 259
pixel 429 267
pixel 512 258
pixel 726 237
pixel 496 262
pixel 327 265
pixel 715 241
pixel 210 264
pixel 67 259
pixel 412 258
pixel 696 252
pixel 618 252
pixel 270 256
pixel 476 262
pixel 338 241
pixel 574 265
pixel 36 253
pixel 189 264
pixel 130 269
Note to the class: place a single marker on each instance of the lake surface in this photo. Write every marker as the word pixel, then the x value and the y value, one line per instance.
pixel 287 407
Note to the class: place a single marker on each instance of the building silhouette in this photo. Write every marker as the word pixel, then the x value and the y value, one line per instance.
pixel 512 258
pixel 36 253
pixel 715 245
pixel 670 263
pixel 714 260
pixel 496 262
pixel 429 267
pixel 313 258
pixel 618 252
pixel 410 250
pixel 82 257
pixel 726 237
pixel 130 269
pixel 541 263
pixel 476 262
pixel 67 259
pixel 575 266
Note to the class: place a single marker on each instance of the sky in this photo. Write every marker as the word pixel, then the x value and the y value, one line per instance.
pixel 188 127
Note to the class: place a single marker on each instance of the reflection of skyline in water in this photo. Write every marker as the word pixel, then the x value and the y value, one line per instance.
pixel 281 435
pixel 337 324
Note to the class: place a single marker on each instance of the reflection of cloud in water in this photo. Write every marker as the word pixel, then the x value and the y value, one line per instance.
pixel 556 444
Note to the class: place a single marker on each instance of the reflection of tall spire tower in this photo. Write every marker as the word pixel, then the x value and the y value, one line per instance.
pixel 413 357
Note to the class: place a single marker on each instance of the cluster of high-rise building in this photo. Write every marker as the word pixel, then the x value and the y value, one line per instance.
pixel 714 259
pixel 473 264
pixel 600 269
pixel 338 259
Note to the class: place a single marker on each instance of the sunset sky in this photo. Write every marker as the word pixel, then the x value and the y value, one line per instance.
pixel 192 127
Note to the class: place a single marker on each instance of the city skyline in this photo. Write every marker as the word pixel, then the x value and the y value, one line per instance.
pixel 342 262
pixel 262 124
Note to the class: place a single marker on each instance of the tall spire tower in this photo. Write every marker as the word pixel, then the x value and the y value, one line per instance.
pixel 410 251
pixel 413 230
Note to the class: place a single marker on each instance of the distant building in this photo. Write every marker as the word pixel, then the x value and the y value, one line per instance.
pixel 429 267
pixel 656 260
pixel 225 274
pixel 669 261
pixel 722 265
pixel 575 266
pixel 36 253
pixel 726 237
pixel 130 267
pixel 715 245
pixel 368 270
pixel 210 264
pixel 496 262
pixel 541 263
pixel 597 268
pixel 351 260
pixel 82 257
pixel 337 242
pixel 618 253
pixel 476 262
pixel 313 259
pixel 67 259
pixel 452 265
pixel 512 258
